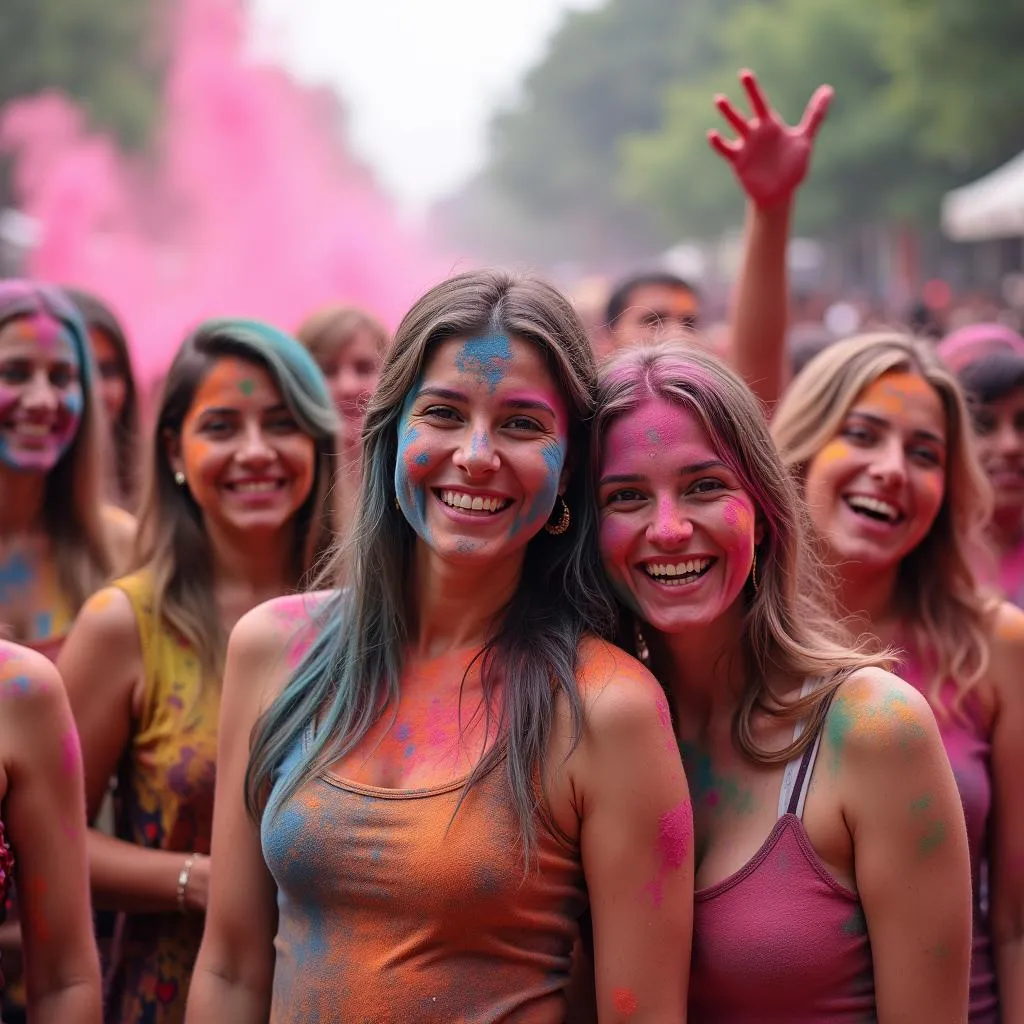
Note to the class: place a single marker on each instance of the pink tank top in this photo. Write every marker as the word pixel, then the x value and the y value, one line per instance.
pixel 781 941
pixel 968 746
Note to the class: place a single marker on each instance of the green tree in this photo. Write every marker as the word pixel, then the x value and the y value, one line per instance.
pixel 867 164
pixel 100 52
pixel 959 75
pixel 556 155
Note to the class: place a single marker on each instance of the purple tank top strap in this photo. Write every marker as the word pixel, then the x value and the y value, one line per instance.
pixel 810 754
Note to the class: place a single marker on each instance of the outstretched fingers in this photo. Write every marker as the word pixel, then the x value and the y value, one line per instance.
pixel 817 111
pixel 729 112
pixel 727 150
pixel 757 101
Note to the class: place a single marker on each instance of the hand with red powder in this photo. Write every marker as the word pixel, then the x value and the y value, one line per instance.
pixel 769 158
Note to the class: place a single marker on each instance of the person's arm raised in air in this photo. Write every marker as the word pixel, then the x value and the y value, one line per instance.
pixel 636 837
pixel 44 811
pixel 770 160
pixel 911 861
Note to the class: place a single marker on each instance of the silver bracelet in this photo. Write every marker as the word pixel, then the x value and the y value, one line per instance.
pixel 183 876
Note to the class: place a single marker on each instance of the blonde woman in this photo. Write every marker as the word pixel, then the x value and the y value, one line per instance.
pixel 877 435
pixel 235 512
pixel 831 855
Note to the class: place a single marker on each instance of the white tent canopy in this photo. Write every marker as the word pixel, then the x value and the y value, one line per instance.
pixel 991 207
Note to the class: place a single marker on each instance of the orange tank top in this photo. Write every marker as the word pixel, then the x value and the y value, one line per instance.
pixel 392 910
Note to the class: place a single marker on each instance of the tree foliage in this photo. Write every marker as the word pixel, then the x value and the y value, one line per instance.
pixel 610 130
pixel 100 52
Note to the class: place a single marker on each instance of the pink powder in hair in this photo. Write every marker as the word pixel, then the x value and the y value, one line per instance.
pixel 253 207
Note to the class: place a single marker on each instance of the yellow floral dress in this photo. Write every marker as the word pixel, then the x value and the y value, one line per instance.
pixel 165 802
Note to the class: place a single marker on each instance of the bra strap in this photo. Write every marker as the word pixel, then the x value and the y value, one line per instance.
pixel 810 755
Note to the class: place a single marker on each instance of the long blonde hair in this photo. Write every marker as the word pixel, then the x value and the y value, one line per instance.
pixel 171 542
pixel 938 592
pixel 73 495
pixel 786 629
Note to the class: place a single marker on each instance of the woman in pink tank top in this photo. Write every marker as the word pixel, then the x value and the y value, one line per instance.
pixel 831 857
pixel 412 814
pixel 877 434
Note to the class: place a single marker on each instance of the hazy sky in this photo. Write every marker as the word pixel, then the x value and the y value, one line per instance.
pixel 421 76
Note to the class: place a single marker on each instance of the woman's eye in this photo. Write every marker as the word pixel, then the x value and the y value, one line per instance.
pixel 627 494
pixel 62 376
pixel 858 434
pixel 14 373
pixel 441 412
pixel 926 455
pixel 215 427
pixel 523 423
pixel 282 425
pixel 707 485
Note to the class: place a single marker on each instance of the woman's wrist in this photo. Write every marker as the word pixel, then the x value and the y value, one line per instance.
pixel 184 877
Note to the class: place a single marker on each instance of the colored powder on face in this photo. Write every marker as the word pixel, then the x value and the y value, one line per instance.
pixel 544 501
pixel 486 359
pixel 412 495
pixel 403 732
pixel 624 1001
pixel 675 837
pixel 247 387
pixel 422 459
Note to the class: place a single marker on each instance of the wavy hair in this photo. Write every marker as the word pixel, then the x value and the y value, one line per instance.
pixel 171 541
pixel 786 629
pixel 73 498
pixel 937 591
pixel 351 673
pixel 125 429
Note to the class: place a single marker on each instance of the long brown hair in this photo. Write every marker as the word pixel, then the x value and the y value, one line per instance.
pixel 172 542
pixel 937 591
pixel 351 673
pixel 124 431
pixel 787 631
pixel 73 495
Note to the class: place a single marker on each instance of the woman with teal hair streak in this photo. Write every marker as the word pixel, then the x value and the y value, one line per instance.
pixel 236 510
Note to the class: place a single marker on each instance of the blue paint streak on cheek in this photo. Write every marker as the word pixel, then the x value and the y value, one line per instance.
pixel 544 501
pixel 412 498
pixel 486 359
pixel 74 402
pixel 422 459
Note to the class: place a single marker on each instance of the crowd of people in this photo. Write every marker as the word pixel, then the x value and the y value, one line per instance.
pixel 496 672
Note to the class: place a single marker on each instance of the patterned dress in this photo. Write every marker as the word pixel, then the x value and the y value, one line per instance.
pixel 165 798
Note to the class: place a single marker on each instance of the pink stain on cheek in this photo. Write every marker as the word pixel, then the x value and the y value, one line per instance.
pixel 675 839
pixel 738 516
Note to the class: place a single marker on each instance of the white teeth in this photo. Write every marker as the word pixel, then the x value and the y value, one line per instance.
pixel 474 503
pixel 693 567
pixel 256 486
pixel 33 429
pixel 879 507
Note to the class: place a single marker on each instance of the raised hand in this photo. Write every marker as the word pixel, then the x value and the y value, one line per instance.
pixel 769 158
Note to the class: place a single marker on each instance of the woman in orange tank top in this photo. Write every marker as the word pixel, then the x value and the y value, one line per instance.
pixel 425 778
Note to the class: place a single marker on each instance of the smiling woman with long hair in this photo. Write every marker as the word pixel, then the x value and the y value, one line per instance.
pixel 419 791
pixel 831 859
pixel 234 512
pixel 877 434
pixel 58 542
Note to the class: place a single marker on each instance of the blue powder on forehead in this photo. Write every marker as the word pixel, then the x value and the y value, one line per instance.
pixel 486 359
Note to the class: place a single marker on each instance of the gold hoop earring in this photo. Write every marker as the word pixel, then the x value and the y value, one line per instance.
pixel 753 573
pixel 564 518
pixel 643 652
pixel 179 478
